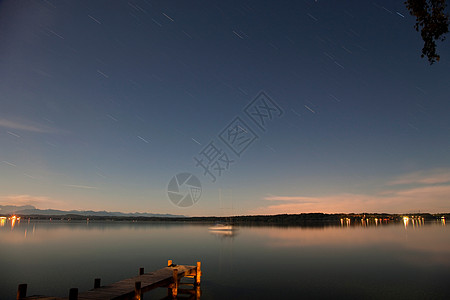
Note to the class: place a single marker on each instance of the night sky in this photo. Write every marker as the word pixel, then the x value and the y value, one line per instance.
pixel 103 102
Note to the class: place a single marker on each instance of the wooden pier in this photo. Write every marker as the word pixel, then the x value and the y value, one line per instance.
pixel 133 288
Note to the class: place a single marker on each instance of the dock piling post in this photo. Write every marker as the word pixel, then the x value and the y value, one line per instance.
pixel 198 273
pixel 97 282
pixel 21 291
pixel 175 283
pixel 197 292
pixel 141 271
pixel 137 290
pixel 73 294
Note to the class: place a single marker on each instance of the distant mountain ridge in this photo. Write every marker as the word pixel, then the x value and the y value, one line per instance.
pixel 31 210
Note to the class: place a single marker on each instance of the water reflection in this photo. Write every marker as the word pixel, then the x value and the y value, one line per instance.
pixel 405 222
pixel 12 219
pixel 416 221
pixel 345 222
pixel 363 221
pixel 224 233
pixel 232 258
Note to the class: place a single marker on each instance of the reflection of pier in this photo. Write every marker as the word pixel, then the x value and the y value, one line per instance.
pixel 134 288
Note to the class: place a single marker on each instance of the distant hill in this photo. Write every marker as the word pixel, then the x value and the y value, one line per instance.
pixel 12 209
pixel 31 210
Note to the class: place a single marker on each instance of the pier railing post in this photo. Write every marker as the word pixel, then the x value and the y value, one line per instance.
pixel 137 290
pixel 73 294
pixel 97 282
pixel 22 291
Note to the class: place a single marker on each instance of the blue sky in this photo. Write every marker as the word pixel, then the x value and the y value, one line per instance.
pixel 102 103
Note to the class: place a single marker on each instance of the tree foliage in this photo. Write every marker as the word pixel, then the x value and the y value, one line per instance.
pixel 432 21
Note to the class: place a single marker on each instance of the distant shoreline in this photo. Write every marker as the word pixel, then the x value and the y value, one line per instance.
pixel 281 219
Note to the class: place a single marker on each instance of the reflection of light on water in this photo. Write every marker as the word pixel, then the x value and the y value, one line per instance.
pixel 364 222
pixel 224 233
pixel 443 220
pixel 347 222
pixel 218 232
pixel 405 221
pixel 417 221
pixel 2 221
pixel 13 220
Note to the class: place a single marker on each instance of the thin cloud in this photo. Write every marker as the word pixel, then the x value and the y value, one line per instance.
pixel 27 126
pixel 427 190
pixel 290 199
pixel 428 198
pixel 80 186
pixel 9 163
pixel 435 176
pixel 327 204
pixel 24 199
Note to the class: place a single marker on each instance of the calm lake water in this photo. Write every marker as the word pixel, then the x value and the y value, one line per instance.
pixel 389 261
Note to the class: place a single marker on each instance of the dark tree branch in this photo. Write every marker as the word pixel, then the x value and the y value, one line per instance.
pixel 432 21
